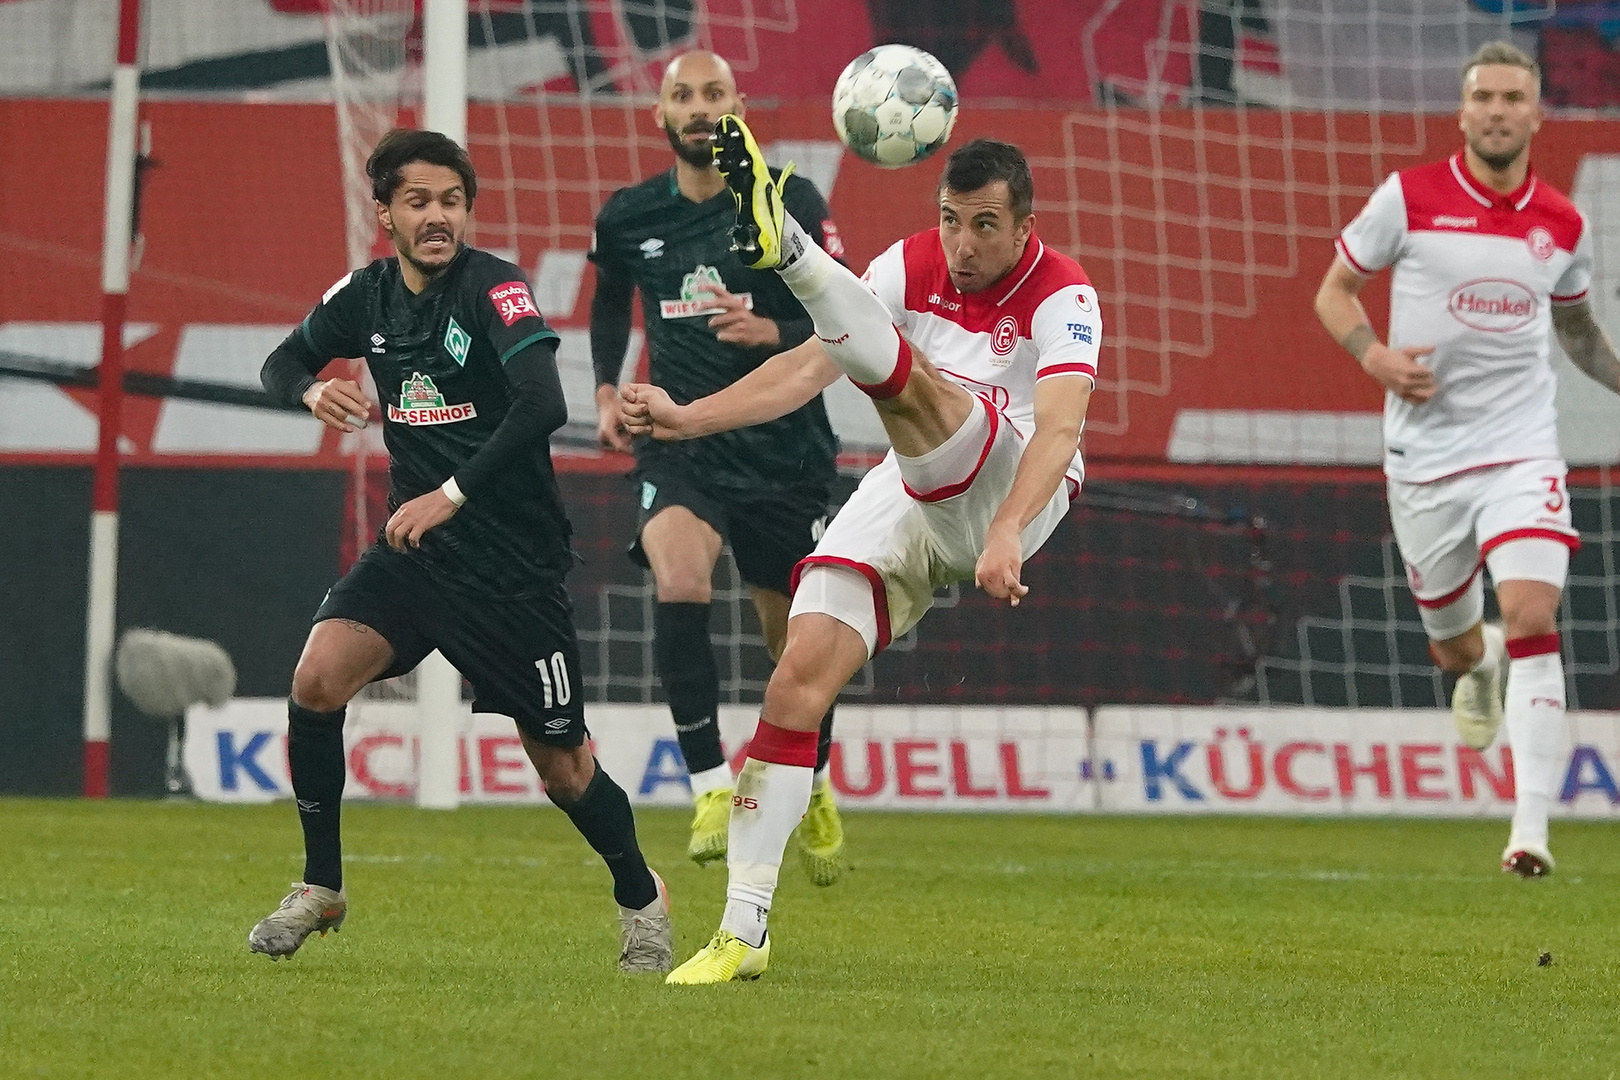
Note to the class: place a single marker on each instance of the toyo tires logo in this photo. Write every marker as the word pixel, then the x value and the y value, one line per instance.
pixel 1494 305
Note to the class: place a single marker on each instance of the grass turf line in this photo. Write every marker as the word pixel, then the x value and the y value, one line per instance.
pixel 484 941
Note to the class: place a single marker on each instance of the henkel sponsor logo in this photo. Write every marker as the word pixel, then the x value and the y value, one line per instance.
pixel 513 302
pixel 1493 305
pixel 1003 339
pixel 998 396
pixel 1541 243
pixel 1336 761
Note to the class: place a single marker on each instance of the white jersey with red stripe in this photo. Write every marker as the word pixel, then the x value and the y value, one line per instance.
pixel 1476 275
pixel 1039 321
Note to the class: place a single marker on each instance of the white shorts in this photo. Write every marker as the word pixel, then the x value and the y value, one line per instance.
pixel 1448 529
pixel 907 543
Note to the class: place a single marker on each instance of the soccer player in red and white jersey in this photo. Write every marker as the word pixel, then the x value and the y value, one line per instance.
pixel 978 344
pixel 1487 258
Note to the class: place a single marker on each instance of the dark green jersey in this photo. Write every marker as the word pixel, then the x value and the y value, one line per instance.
pixel 450 364
pixel 653 240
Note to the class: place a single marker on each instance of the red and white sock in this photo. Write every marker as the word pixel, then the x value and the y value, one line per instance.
pixel 852 323
pixel 1537 731
pixel 773 792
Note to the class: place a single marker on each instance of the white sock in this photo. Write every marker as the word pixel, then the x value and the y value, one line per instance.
pixel 771 799
pixel 711 780
pixel 1495 646
pixel 852 323
pixel 1539 735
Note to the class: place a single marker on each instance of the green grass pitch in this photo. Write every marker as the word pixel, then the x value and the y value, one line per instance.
pixel 482 944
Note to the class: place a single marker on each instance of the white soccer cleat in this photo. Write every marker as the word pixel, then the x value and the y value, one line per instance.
pixel 308 909
pixel 1527 860
pixel 645 935
pixel 1476 702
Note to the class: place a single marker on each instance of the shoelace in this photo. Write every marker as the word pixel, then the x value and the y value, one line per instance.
pixel 641 939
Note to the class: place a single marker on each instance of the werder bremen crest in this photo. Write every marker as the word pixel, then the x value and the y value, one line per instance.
pixel 695 297
pixel 456 342
pixel 421 403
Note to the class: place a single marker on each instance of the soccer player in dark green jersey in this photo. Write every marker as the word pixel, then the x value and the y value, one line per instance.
pixel 710 320
pixel 473 558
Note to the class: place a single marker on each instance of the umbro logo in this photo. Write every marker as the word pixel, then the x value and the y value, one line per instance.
pixel 377 341
pixel 309 806
pixel 652 248
pixel 557 724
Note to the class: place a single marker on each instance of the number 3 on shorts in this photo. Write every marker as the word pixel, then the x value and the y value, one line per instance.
pixel 1555 502
pixel 554 678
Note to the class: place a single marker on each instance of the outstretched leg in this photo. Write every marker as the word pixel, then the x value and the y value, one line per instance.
pixel 920 408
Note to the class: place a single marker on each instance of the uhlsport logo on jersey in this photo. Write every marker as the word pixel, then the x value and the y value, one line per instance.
pixel 420 404
pixel 1493 305
pixel 456 342
pixel 1542 244
pixel 1003 339
pixel 696 299
pixel 513 302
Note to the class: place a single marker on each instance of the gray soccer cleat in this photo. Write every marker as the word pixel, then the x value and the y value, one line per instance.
pixel 1476 701
pixel 645 934
pixel 308 909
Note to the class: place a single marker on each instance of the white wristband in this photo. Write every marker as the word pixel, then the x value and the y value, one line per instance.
pixel 452 491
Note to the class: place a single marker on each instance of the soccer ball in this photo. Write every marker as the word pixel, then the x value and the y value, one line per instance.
pixel 894 105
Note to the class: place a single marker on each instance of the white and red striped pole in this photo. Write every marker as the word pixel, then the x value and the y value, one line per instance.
pixel 116 240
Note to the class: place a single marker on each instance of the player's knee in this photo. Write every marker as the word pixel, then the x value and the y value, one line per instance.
pixel 1530 620
pixel 318 688
pixel 565 772
pixel 682 587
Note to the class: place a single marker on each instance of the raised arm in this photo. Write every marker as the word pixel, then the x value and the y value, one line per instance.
pixel 1587 346
pixel 781 384
pixel 1338 305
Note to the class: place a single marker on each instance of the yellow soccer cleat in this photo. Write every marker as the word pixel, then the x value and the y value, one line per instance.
pixel 724 959
pixel 821 837
pixel 711 819
pixel 757 236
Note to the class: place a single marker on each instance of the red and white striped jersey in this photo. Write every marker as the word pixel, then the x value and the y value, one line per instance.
pixel 1476 275
pixel 1041 320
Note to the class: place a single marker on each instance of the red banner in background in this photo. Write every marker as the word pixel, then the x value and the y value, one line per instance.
pixel 1205 232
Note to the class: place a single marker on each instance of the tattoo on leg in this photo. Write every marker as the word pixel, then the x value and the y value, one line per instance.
pixel 357 627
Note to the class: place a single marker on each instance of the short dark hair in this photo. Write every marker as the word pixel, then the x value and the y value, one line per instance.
pixel 984 161
pixel 402 146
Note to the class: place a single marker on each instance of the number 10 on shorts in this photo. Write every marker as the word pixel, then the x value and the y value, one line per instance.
pixel 554 678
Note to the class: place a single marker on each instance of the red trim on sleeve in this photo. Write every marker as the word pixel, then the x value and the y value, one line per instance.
pixel 1571 541
pixel 896 382
pixel 1067 369
pixel 783 746
pixel 940 494
pixel 1573 299
pixel 1350 260
pixel 1520 647
pixel 880 591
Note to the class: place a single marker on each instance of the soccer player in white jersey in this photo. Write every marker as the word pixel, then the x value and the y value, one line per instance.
pixel 978 345
pixel 1486 259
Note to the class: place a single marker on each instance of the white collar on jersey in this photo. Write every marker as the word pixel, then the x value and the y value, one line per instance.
pixel 1519 199
pixel 1027 262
